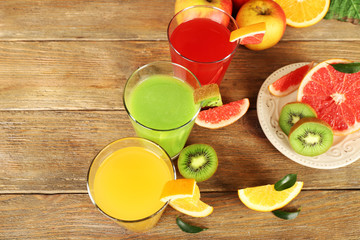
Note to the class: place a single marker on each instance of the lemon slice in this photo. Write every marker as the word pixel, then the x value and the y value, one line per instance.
pixel 192 206
pixel 266 198
pixel 179 188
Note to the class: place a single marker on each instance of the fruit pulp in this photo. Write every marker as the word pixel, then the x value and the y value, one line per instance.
pixel 202 46
pixel 129 182
pixel 224 115
pixel 165 106
pixel 289 82
pixel 333 95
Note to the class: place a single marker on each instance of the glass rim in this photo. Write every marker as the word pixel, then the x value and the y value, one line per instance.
pixel 154 129
pixel 102 150
pixel 204 6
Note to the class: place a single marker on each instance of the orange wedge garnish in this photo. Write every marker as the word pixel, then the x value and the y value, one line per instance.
pixel 192 206
pixel 184 196
pixel 251 34
pixel 179 188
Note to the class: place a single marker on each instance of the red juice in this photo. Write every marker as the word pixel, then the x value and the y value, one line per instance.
pixel 202 45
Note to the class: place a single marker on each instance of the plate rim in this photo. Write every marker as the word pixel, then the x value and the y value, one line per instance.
pixel 289 153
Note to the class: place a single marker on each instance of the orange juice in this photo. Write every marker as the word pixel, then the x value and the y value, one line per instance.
pixel 128 183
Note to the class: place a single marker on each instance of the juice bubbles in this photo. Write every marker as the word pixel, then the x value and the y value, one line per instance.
pixel 161 106
pixel 201 43
pixel 126 180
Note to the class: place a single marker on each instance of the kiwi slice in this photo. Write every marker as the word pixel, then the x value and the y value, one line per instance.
pixel 311 137
pixel 198 161
pixel 208 95
pixel 293 112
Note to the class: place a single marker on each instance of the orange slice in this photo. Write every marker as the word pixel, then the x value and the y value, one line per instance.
pixel 192 206
pixel 179 188
pixel 266 198
pixel 251 34
pixel 304 13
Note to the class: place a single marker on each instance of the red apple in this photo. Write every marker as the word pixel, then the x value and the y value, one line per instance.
pixel 236 6
pixel 267 11
pixel 225 5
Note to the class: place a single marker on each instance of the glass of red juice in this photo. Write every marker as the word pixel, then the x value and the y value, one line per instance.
pixel 199 40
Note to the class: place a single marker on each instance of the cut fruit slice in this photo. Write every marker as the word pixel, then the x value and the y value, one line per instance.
pixel 251 34
pixel 266 198
pixel 289 82
pixel 192 206
pixel 335 96
pixel 208 95
pixel 224 115
pixel 304 13
pixel 179 188
pixel 198 161
pixel 292 112
pixel 311 137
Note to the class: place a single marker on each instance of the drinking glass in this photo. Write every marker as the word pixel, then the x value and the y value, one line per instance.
pixel 131 180
pixel 162 105
pixel 199 40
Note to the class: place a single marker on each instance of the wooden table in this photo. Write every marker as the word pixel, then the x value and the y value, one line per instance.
pixel 63 66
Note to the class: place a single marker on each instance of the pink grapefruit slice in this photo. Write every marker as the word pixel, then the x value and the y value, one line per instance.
pixel 289 82
pixel 335 96
pixel 251 34
pixel 224 115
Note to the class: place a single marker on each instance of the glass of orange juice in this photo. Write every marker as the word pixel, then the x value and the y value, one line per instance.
pixel 125 181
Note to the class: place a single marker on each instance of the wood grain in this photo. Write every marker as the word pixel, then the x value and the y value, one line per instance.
pixel 63 66
pixel 91 75
pixel 84 20
pixel 112 20
pixel 324 215
pixel 50 152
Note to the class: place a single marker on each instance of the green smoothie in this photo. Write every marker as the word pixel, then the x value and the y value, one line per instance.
pixel 165 106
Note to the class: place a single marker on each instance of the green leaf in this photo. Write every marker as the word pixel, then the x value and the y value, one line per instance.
pixel 187 227
pixel 347 67
pixel 286 182
pixel 344 10
pixel 286 215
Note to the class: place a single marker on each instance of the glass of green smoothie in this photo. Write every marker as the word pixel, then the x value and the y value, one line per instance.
pixel 158 98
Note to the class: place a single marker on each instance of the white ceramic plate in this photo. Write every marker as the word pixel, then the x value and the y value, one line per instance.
pixel 345 149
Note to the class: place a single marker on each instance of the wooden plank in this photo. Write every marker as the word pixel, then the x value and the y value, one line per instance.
pixel 325 30
pixel 85 20
pixel 50 152
pixel 42 20
pixel 91 75
pixel 70 75
pixel 55 148
pixel 324 215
